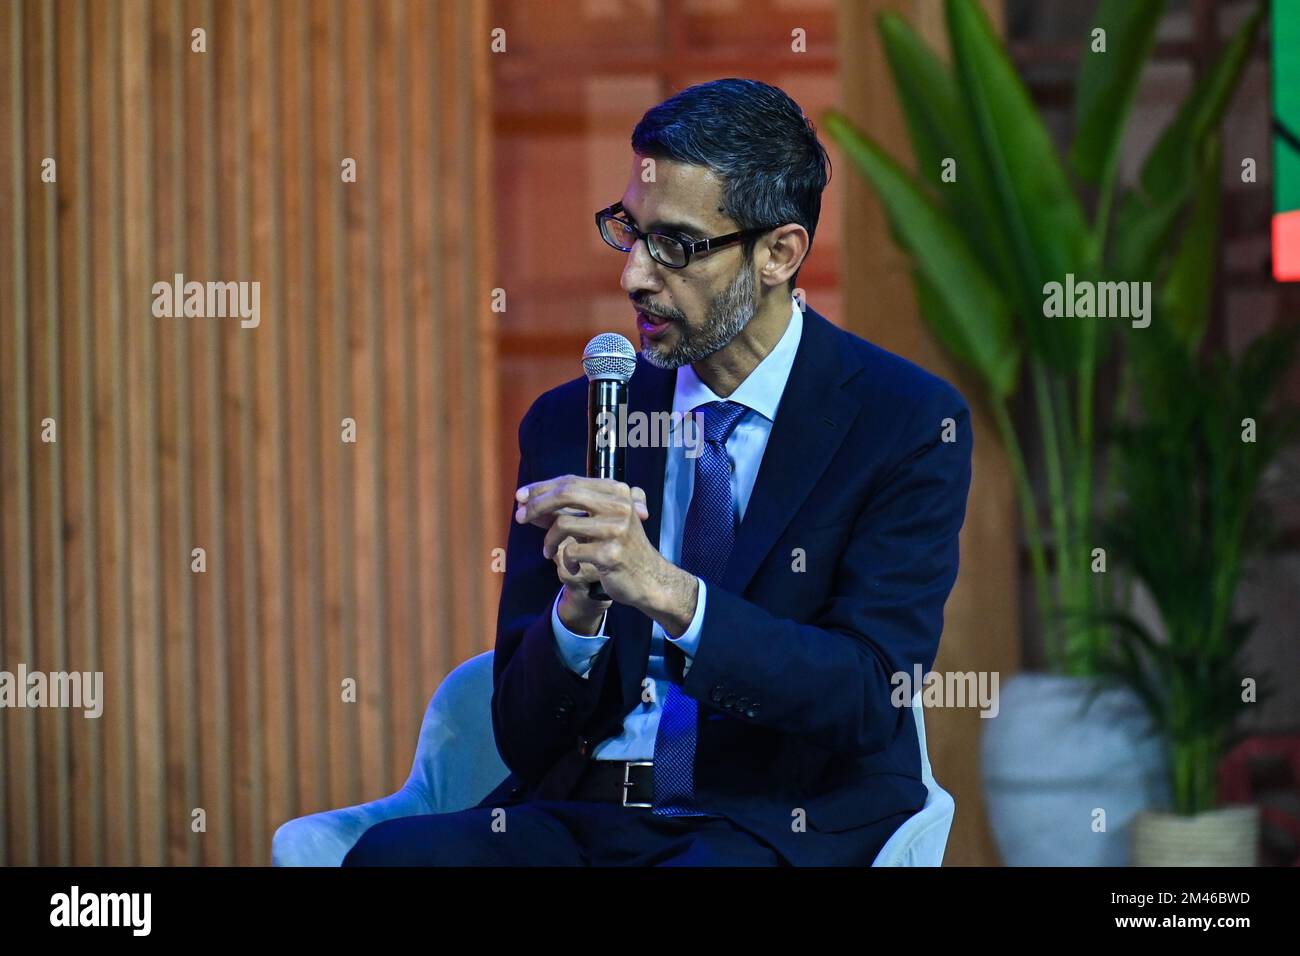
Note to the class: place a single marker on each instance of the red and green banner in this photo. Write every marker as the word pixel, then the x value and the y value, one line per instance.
pixel 1286 140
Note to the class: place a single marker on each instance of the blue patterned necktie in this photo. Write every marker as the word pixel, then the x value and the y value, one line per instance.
pixel 707 537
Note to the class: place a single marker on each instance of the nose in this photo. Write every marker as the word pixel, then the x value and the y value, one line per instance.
pixel 641 273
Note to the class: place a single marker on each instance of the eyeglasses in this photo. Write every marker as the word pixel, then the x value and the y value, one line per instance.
pixel 671 251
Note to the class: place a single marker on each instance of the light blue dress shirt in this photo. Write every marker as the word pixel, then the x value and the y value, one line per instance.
pixel 761 393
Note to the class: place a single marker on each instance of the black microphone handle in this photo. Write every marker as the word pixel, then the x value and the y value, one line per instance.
pixel 607 459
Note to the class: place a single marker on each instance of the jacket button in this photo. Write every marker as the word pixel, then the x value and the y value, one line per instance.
pixel 728 700
pixel 742 703
pixel 566 701
pixel 753 710
pixel 716 694
pixel 582 746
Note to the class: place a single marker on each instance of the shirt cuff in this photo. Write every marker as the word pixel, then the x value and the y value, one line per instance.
pixel 690 639
pixel 577 651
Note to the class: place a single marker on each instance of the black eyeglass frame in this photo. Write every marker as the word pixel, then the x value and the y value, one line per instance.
pixel 689 246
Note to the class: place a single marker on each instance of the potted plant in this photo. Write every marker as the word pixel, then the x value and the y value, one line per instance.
pixel 1191 470
pixel 990 220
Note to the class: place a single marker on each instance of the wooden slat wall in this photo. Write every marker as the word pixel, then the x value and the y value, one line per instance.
pixel 325 560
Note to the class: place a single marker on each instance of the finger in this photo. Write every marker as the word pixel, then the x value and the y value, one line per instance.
pixel 528 492
pixel 587 554
pixel 640 502
pixel 570 570
pixel 581 527
pixel 590 495
pixel 544 498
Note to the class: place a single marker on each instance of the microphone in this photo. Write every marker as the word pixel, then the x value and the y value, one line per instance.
pixel 609 361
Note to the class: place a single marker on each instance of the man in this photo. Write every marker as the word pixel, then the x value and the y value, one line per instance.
pixel 730 704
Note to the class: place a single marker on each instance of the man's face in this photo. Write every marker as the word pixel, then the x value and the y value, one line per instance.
pixel 684 315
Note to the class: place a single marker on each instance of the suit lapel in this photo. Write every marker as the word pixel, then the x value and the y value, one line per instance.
pixel 814 416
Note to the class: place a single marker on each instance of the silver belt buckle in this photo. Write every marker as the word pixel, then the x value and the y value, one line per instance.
pixel 627 783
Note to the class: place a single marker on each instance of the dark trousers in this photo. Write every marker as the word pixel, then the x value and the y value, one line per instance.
pixel 559 833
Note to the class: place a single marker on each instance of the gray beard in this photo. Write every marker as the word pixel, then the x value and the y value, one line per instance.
pixel 728 314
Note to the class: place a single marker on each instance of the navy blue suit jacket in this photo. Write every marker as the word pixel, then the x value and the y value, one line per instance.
pixel 793 668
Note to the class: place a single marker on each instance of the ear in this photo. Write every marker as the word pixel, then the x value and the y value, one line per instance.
pixel 786 247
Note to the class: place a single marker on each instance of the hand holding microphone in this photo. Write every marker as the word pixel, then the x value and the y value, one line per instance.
pixel 579 611
pixel 598 516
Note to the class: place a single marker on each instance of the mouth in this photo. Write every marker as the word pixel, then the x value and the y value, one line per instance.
pixel 652 325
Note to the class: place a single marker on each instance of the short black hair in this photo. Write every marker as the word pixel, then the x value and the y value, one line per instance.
pixel 756 139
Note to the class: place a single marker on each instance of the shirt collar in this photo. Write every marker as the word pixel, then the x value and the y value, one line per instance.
pixel 762 388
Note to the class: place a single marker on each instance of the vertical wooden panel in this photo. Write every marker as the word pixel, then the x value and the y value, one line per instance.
pixel 389 285
pixel 24 809
pixel 373 637
pixel 484 510
pixel 8 426
pixel 171 561
pixel 326 78
pixel 339 390
pixel 61 755
pixel 87 754
pixel 409 694
pixel 99 322
pixel 302 358
pixel 41 322
pixel 178 478
pixel 434 396
pixel 324 560
pixel 10 184
pixel 142 390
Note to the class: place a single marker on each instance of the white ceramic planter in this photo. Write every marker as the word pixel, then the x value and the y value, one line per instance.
pixel 1055 774
pixel 1228 836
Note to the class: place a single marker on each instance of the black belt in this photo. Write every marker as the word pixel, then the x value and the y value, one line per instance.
pixel 630 783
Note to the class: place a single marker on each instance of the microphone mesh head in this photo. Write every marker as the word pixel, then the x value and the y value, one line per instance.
pixel 609 356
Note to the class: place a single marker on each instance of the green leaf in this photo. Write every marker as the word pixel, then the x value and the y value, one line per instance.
pixel 974 323
pixel 1172 163
pixel 1002 366
pixel 940 130
pixel 1148 215
pixel 1037 209
pixel 1187 294
pixel 928 96
pixel 1107 82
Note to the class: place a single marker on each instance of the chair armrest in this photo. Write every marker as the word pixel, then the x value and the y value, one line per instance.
pixel 324 839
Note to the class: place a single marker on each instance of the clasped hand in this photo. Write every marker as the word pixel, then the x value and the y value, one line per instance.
pixel 594 533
